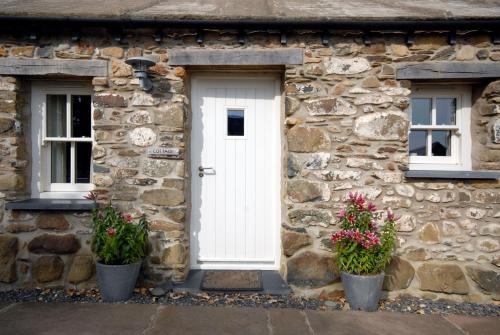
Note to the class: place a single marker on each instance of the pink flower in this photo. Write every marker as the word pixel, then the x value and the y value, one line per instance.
pixel 371 207
pixel 341 214
pixel 351 218
pixel 111 232
pixel 128 217
pixel 390 216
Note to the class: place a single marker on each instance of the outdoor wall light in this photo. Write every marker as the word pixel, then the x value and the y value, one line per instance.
pixel 140 65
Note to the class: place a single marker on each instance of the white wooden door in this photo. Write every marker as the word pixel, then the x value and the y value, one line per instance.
pixel 235 140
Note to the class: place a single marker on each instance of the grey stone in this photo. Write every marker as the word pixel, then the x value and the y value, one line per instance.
pixel 318 161
pixel 44 52
pixel 488 280
pixel 304 190
pixel 373 99
pixel 330 106
pixel 163 197
pixel 398 274
pixel 81 269
pixel 48 268
pixel 389 126
pixel 142 137
pixel 8 251
pixel 495 132
pixel 293 166
pixel 307 139
pixel 347 66
pixel 311 217
pixel 144 99
pixel 57 244
pixel 293 241
pixel 310 269
pixel 447 278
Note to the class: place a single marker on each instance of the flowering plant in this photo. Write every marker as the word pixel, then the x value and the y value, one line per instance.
pixel 117 239
pixel 362 247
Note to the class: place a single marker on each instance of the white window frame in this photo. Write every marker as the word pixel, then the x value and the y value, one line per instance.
pixel 460 158
pixel 41 187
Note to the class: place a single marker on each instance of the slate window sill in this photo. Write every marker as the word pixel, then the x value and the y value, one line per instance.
pixel 430 174
pixel 52 205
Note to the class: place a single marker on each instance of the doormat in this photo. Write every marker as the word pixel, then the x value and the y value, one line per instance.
pixel 234 280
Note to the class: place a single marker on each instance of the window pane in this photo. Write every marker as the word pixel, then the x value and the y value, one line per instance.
pixel 80 115
pixel 421 111
pixel 418 143
pixel 441 143
pixel 60 162
pixel 83 154
pixel 56 115
pixel 235 122
pixel 446 111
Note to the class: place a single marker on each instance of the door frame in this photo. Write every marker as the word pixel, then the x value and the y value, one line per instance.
pixel 277 211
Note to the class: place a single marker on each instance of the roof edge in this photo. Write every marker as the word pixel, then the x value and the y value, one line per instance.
pixel 320 23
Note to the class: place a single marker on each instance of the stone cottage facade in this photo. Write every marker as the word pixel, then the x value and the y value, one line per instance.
pixel 345 94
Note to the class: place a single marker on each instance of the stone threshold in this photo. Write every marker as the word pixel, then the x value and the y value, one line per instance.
pixel 272 284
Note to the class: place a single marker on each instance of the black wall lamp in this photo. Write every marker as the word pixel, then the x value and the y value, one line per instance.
pixel 140 66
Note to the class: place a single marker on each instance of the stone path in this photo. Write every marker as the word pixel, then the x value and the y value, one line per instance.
pixel 124 319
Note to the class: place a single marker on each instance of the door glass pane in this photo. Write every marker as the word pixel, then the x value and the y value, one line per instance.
pixel 446 111
pixel 60 162
pixel 441 143
pixel 80 115
pixel 83 154
pixel 56 115
pixel 421 111
pixel 235 122
pixel 418 143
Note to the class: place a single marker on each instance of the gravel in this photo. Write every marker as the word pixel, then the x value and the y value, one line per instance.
pixel 143 296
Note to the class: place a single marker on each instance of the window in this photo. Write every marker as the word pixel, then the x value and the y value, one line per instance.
pixel 439 136
pixel 235 122
pixel 61 140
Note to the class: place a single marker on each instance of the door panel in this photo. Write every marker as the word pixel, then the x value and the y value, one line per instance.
pixel 235 204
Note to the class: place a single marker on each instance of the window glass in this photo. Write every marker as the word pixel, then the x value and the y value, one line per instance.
pixel 421 111
pixel 80 116
pixel 56 115
pixel 441 143
pixel 418 143
pixel 235 122
pixel 446 111
pixel 60 162
pixel 83 152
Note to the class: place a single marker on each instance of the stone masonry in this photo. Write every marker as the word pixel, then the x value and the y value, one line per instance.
pixel 346 131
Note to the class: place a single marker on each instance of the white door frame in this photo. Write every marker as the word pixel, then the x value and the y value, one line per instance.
pixel 276 167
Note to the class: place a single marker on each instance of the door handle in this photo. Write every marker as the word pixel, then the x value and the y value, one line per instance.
pixel 201 170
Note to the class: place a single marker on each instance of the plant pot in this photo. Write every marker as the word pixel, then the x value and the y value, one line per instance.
pixel 362 292
pixel 117 282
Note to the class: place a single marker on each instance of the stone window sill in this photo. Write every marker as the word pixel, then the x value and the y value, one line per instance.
pixel 52 205
pixel 433 174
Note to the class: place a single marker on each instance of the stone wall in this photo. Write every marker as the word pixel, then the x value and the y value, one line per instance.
pixel 346 130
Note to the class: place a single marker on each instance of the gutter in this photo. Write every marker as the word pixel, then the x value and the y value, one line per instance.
pixel 319 24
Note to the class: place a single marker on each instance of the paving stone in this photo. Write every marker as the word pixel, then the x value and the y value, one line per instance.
pixel 357 323
pixel 64 318
pixel 209 320
pixel 476 326
pixel 288 321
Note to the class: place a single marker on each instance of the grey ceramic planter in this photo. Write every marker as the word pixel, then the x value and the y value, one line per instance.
pixel 362 292
pixel 117 282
